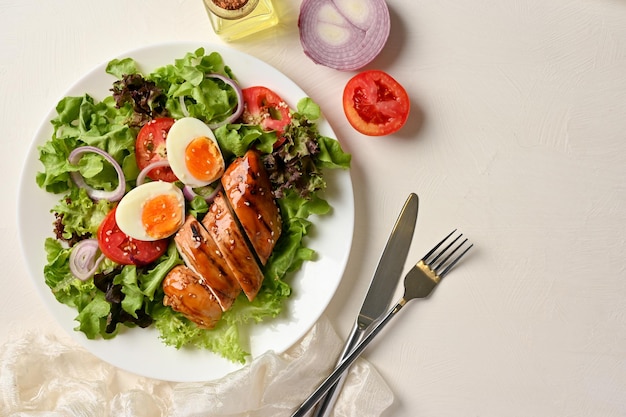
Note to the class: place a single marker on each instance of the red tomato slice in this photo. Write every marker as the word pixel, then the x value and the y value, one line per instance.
pixel 120 248
pixel 150 147
pixel 375 104
pixel 264 107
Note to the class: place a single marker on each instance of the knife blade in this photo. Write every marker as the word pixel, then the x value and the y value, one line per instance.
pixel 381 290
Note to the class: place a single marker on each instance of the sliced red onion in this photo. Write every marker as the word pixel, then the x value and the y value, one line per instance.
pixel 78 179
pixel 238 109
pixel 343 34
pixel 83 261
pixel 141 178
pixel 183 106
pixel 189 193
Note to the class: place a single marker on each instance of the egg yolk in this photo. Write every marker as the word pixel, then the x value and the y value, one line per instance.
pixel 203 159
pixel 161 216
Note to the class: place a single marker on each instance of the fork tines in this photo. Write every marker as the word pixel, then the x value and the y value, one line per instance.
pixel 447 262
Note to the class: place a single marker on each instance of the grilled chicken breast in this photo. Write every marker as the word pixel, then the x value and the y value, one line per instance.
pixel 224 253
pixel 223 228
pixel 185 293
pixel 204 257
pixel 248 189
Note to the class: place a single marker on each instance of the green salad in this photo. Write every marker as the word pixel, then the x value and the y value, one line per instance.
pixel 112 297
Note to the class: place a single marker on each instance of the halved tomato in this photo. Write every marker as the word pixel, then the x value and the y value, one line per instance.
pixel 150 147
pixel 264 107
pixel 375 103
pixel 121 248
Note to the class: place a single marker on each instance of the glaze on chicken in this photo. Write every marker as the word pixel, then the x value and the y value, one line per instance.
pixel 225 252
pixel 223 228
pixel 185 293
pixel 203 256
pixel 248 190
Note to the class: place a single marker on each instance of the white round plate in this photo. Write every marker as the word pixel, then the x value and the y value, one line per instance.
pixel 140 351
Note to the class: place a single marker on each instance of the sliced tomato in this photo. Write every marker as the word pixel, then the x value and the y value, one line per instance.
pixel 264 107
pixel 375 103
pixel 150 147
pixel 119 247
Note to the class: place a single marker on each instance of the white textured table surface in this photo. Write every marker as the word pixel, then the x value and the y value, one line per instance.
pixel 517 138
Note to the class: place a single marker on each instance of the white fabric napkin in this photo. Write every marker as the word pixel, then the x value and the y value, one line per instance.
pixel 42 376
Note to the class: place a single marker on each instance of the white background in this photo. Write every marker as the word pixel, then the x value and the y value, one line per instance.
pixel 517 137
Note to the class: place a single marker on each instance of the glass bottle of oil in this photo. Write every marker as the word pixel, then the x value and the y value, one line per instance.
pixel 235 19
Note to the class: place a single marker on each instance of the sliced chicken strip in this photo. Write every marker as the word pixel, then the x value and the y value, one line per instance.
pixel 203 256
pixel 223 227
pixel 185 293
pixel 248 189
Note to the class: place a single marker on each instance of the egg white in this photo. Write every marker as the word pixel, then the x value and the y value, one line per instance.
pixel 130 208
pixel 182 132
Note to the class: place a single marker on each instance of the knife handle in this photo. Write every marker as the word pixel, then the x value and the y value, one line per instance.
pixel 328 401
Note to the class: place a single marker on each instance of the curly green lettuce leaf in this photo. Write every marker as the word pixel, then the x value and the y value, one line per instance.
pixel 177 331
pixel 92 319
pixel 206 98
pixel 81 215
pixel 331 155
pixel 81 121
pixel 150 280
pixel 120 67
pixel 290 251
pixel 235 139
pixel 309 109
pixel 133 296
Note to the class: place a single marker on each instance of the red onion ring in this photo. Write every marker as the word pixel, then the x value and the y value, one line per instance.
pixel 343 34
pixel 83 261
pixel 141 178
pixel 189 193
pixel 183 106
pixel 78 179
pixel 238 109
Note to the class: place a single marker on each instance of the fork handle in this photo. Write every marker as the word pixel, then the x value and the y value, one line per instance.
pixel 327 402
pixel 345 363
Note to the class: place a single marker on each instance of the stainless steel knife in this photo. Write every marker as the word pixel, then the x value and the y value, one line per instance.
pixel 381 290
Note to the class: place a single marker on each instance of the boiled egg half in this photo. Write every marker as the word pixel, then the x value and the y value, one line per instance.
pixel 193 152
pixel 152 211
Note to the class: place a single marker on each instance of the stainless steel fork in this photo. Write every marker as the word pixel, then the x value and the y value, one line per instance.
pixel 419 282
